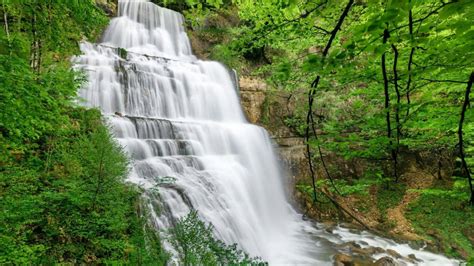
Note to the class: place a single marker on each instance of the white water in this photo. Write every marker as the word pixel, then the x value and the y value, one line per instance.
pixel 179 118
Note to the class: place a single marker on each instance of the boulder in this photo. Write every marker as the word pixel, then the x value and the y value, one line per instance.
pixel 385 261
pixel 394 254
pixel 341 259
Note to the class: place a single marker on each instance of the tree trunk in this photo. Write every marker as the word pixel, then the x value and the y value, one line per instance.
pixel 460 137
pixel 383 63
pixel 5 19
pixel 397 111
pixel 410 62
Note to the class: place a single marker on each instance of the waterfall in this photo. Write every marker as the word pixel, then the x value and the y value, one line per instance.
pixel 180 121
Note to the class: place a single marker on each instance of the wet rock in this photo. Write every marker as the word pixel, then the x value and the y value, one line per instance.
pixel 369 251
pixel 351 245
pixel 341 259
pixel 252 97
pixel 252 102
pixel 413 258
pixel 417 244
pixel 394 254
pixel 385 261
pixel 109 7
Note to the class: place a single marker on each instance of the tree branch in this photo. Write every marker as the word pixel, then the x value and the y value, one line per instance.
pixel 432 12
pixel 311 93
pixel 445 80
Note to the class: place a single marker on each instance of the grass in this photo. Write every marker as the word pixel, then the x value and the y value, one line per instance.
pixel 446 221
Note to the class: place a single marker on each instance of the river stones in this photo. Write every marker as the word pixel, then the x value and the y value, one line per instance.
pixel 393 253
pixel 341 259
pixel 385 261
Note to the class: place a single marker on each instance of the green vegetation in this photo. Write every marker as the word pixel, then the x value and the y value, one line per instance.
pixel 387 86
pixel 389 198
pixel 377 82
pixel 67 201
pixel 446 222
pixel 62 191
pixel 196 244
pixel 383 82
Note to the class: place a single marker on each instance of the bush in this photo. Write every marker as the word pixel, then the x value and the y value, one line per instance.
pixel 196 245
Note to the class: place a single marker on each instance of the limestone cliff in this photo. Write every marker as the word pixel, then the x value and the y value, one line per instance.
pixel 270 108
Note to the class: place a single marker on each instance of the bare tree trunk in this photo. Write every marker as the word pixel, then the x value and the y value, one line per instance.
pixel 35 53
pixel 383 63
pixel 5 19
pixel 410 62
pixel 33 44
pixel 397 111
pixel 460 137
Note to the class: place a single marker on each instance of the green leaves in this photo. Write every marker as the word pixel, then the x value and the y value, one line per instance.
pixel 69 203
pixel 62 191
pixel 434 45
pixel 283 71
pixel 195 242
pixel 312 63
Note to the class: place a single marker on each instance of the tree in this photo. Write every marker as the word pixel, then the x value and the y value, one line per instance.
pixel 389 84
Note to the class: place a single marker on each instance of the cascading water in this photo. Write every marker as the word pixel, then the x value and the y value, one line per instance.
pixel 180 120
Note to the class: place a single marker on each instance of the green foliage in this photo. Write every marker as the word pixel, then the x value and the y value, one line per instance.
pixel 36 81
pixel 445 221
pixel 63 194
pixel 389 197
pixel 358 187
pixel 195 242
pixel 459 190
pixel 435 59
pixel 195 11
pixel 224 54
pixel 71 204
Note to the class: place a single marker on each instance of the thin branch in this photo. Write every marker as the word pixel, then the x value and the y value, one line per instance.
pixel 445 80
pixel 312 92
pixel 322 29
pixel 432 12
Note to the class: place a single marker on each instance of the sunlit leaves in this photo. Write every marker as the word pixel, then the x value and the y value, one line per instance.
pixel 441 37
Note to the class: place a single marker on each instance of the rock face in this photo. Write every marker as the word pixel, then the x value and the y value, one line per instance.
pixel 252 97
pixel 109 6
pixel 270 108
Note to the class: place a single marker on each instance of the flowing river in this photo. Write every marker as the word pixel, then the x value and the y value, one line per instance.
pixel 180 121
